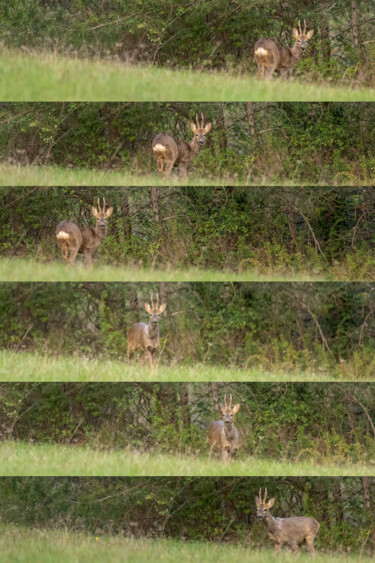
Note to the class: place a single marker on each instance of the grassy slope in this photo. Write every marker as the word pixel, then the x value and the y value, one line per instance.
pixel 50 77
pixel 15 269
pixel 23 459
pixel 24 366
pixel 24 545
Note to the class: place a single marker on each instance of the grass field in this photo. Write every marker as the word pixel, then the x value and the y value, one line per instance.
pixel 16 269
pixel 52 77
pixel 27 366
pixel 23 545
pixel 31 175
pixel 23 459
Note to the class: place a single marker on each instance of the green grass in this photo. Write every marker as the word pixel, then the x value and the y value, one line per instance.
pixel 23 459
pixel 28 366
pixel 52 77
pixel 25 545
pixel 28 270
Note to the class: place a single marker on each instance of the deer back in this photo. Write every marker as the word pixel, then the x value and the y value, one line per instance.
pixel 165 145
pixel 292 530
pixel 70 234
pixel 267 50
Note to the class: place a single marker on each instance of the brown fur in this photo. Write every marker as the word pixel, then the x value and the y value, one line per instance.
pixel 146 336
pixel 270 57
pixel 73 239
pixel 292 532
pixel 222 434
pixel 169 152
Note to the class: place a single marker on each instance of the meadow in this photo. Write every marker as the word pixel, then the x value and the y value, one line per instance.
pixel 35 76
pixel 15 269
pixel 24 459
pixel 20 544
pixel 27 366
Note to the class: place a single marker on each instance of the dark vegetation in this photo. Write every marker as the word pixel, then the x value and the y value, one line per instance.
pixel 317 230
pixel 295 143
pixel 321 326
pixel 203 34
pixel 213 509
pixel 275 421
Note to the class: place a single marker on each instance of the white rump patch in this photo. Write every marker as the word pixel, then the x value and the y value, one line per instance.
pixel 260 51
pixel 63 235
pixel 159 148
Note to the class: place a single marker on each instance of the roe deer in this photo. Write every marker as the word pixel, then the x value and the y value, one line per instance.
pixel 270 57
pixel 146 336
pixel 169 152
pixel 286 531
pixel 71 238
pixel 222 434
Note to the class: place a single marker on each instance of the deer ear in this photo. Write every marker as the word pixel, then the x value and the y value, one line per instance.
pixel 270 503
pixel 148 308
pixel 162 308
pixel 109 212
pixel 94 211
pixel 236 408
pixel 193 127
pixel 208 127
pixel 310 34
pixel 295 33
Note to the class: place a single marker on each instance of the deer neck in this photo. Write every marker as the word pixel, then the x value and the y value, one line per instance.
pixel 153 330
pixel 295 51
pixel 229 431
pixel 195 147
pixel 100 233
pixel 271 523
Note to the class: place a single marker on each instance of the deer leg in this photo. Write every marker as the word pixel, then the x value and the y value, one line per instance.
pixel 294 547
pixel 310 544
pixel 277 548
pixel 73 256
pixel 225 455
pixel 87 258
pixel 182 171
pixel 168 168
pixel 150 358
pixel 234 454
pixel 160 163
pixel 64 250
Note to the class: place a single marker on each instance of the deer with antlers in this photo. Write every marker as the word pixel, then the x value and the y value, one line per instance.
pixel 292 532
pixel 169 152
pixel 222 434
pixel 271 57
pixel 146 336
pixel 73 239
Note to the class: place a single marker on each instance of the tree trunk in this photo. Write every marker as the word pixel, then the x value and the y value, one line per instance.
pixel 250 117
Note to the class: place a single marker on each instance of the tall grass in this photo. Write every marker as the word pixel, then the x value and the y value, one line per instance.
pixel 52 77
pixel 18 365
pixel 28 270
pixel 23 459
pixel 24 545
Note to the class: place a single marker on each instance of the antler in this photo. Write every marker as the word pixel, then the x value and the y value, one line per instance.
pixel 265 496
pixel 304 27
pixel 225 401
pixel 152 301
pixel 230 401
pixel 157 301
pixel 99 206
pixel 103 205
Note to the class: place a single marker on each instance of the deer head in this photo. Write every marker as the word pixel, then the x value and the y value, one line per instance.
pixel 200 130
pixel 263 506
pixel 227 411
pixel 302 37
pixel 155 311
pixel 101 215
